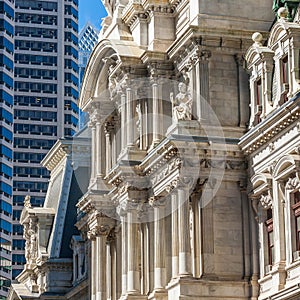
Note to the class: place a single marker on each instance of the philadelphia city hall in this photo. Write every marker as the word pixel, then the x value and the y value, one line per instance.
pixel 185 183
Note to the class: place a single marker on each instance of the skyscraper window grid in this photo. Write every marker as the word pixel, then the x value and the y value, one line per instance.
pixel 6 141
pixel 45 98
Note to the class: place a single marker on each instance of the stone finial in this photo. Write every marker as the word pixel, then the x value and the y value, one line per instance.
pixel 257 38
pixel 282 13
pixel 27 203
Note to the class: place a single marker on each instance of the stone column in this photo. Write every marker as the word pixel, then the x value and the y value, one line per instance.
pixel 279 232
pixel 118 263
pixel 123 131
pixel 255 258
pixel 288 225
pixel 100 227
pixel 245 229
pixel 109 269
pixel 93 165
pixel 197 234
pixel 108 128
pixel 124 255
pixel 155 112
pixel 130 118
pixel 159 246
pixel 202 82
pixel 184 232
pixel 93 263
pixel 242 91
pixel 99 149
pixel 175 250
pixel 115 140
pixel 101 291
pixel 133 273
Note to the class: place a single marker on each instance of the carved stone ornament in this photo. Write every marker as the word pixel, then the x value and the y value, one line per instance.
pixel 156 201
pixel 31 243
pixel 293 183
pixel 172 185
pixel 168 169
pixel 266 201
pixel 91 234
pixel 103 229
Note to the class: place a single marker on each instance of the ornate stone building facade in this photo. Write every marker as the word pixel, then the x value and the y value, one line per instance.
pixel 190 195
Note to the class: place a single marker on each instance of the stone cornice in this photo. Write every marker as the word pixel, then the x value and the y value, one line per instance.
pixel 276 122
pixel 94 201
pixel 165 165
pixel 132 11
pixel 142 9
pixel 210 39
pixel 64 147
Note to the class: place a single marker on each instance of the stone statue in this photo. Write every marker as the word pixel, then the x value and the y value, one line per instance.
pixel 182 104
pixel 27 203
pixel 139 124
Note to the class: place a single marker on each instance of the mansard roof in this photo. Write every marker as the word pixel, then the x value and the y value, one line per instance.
pixel 122 52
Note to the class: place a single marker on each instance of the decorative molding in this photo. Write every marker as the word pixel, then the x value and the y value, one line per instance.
pixel 170 167
pixel 261 134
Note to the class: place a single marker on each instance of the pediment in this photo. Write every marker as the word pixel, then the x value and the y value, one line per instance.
pixel 282 30
pixel 285 166
pixel 260 183
pixel 257 53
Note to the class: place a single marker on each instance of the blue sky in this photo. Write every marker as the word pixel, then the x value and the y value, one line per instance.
pixel 92 11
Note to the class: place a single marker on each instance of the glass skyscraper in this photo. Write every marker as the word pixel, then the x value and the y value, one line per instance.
pixel 88 38
pixel 6 140
pixel 45 98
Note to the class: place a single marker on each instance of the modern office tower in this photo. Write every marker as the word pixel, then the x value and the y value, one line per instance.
pixel 88 38
pixel 46 92
pixel 6 140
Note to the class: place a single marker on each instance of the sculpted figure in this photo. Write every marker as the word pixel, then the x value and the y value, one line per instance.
pixel 27 203
pixel 182 104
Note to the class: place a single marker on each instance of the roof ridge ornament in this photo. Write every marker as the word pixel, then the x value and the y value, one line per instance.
pixel 257 38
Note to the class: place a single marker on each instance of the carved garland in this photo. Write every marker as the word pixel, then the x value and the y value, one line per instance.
pixel 266 201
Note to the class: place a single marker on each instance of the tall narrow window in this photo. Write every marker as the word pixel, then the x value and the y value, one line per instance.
pixel 296 209
pixel 285 77
pixel 259 100
pixel 258 92
pixel 270 232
